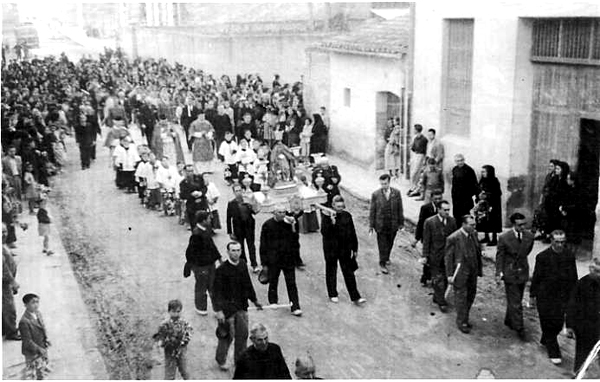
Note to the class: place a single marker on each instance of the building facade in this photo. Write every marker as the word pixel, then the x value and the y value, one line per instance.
pixel 512 85
pixel 360 78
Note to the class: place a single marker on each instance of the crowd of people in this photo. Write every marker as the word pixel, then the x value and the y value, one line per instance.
pixel 156 116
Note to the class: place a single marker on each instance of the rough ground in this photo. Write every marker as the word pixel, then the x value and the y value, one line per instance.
pixel 129 262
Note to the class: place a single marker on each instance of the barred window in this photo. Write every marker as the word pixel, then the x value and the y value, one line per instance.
pixel 572 40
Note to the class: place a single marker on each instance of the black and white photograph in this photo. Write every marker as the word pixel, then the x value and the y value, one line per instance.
pixel 300 190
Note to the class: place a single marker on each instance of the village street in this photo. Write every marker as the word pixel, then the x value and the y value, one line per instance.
pixel 129 262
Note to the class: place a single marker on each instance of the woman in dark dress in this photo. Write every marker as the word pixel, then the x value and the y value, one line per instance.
pixel 554 199
pixel 318 141
pixel 491 186
pixel 571 210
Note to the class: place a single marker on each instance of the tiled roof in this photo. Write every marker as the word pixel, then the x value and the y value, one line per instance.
pixel 388 38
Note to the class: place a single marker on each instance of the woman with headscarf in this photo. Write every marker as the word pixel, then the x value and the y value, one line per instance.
pixel 571 209
pixel 318 141
pixel 557 189
pixel 491 186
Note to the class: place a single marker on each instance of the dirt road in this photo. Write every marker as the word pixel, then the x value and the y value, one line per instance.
pixel 129 261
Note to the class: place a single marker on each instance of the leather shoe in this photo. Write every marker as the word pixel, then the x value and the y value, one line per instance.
pixel 384 270
pixel 469 325
pixel 444 308
pixel 464 328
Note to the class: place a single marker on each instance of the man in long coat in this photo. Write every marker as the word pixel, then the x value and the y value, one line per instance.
pixel 554 277
pixel 464 187
pixel 277 255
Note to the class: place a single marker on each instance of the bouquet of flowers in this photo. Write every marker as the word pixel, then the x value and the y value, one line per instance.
pixel 174 335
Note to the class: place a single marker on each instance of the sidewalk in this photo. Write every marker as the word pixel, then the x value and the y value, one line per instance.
pixel 74 353
pixel 361 183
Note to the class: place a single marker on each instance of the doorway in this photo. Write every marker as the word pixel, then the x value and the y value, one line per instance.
pixel 588 171
pixel 388 105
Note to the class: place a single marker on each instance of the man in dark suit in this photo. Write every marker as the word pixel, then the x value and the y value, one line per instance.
pixel 512 266
pixel 463 257
pixel 436 230
pixel 554 277
pixel 201 255
pixel 386 217
pixel 147 117
pixel 464 187
pixel 262 360
pixel 240 224
pixel 188 115
pixel 277 255
pixel 427 210
pixel 340 244
pixel 35 340
pixel 583 313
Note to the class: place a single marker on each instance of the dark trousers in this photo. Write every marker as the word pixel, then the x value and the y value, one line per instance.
pixel 290 283
pixel 248 236
pixel 464 295
pixel 93 151
pixel 439 282
pixel 385 242
pixel 238 333
pixel 9 313
pixel 11 236
pixel 552 318
pixel 426 275
pixel 85 154
pixel 331 263
pixel 514 305
pixel 205 277
pixel 585 340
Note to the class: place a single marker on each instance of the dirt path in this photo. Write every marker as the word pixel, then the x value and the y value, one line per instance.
pixel 129 261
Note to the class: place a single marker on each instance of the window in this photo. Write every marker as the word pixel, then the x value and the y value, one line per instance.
pixel 572 40
pixel 457 76
pixel 347 97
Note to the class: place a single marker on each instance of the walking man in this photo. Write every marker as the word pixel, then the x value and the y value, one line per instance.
pixel 263 359
pixel 464 187
pixel 428 210
pixel 463 265
pixel 232 291
pixel 513 268
pixel 240 224
pixel 340 244
pixel 277 255
pixel 436 230
pixel 201 255
pixel 583 313
pixel 554 277
pixel 385 218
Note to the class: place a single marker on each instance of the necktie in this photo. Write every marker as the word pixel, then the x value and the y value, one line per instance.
pixel 519 236
pixel 444 222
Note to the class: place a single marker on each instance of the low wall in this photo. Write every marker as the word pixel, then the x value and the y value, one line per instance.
pixel 265 54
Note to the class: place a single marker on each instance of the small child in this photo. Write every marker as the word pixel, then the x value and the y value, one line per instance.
pixel 31 187
pixel 305 139
pixel 35 341
pixel 228 151
pixel 44 224
pixel 174 335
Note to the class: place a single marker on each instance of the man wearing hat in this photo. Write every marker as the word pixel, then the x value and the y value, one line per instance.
pixel 232 290
pixel 277 255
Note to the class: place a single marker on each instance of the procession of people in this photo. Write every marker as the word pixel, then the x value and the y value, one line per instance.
pixel 169 128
